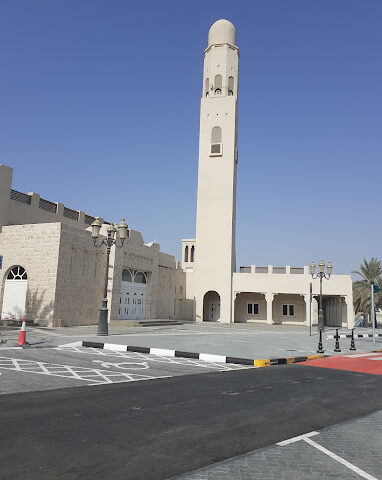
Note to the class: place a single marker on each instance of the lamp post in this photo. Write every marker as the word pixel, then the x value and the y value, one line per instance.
pixel 321 274
pixel 109 241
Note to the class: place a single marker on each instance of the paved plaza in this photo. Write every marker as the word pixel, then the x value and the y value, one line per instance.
pixel 350 450
pixel 32 369
pixel 237 340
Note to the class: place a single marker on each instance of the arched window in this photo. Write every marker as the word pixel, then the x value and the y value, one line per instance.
pixel 126 275
pixel 17 273
pixel 186 254
pixel 192 253
pixel 207 86
pixel 216 135
pixel 218 84
pixel 230 86
pixel 216 142
pixel 140 277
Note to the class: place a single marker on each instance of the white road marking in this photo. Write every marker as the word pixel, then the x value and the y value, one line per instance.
pixel 375 358
pixel 306 438
pixel 93 375
pixel 344 462
pixel 73 344
pixel 189 362
pixel 357 355
pixel 297 439
pixel 124 365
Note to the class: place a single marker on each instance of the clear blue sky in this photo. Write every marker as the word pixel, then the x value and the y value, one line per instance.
pixel 100 111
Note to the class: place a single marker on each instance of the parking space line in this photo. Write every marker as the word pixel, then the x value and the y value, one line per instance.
pixel 297 439
pixel 341 460
pixel 306 438
pixel 96 376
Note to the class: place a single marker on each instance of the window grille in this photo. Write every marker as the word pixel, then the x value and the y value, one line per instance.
pixel 245 269
pixel 126 275
pixel 230 86
pixel 20 197
pixel 261 269
pixel 216 135
pixel 17 273
pixel 47 205
pixel 218 84
pixel 297 270
pixel 69 213
pixel 279 269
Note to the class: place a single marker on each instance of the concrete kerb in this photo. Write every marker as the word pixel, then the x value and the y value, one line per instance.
pixel 256 362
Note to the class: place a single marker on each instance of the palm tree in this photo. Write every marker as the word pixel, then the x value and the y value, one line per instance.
pixel 369 272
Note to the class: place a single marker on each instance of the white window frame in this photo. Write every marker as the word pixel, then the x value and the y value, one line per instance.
pixel 288 305
pixel 220 150
pixel 253 308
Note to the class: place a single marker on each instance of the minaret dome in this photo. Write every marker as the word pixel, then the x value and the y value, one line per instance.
pixel 222 31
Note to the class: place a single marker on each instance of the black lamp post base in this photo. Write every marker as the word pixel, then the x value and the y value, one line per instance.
pixel 320 349
pixel 103 327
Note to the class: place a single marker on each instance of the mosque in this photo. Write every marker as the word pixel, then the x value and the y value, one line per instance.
pixel 51 273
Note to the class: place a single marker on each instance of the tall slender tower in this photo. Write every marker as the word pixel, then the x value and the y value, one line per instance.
pixel 216 204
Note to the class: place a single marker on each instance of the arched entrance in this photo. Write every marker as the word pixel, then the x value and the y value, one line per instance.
pixel 15 292
pixel 211 307
pixel 133 295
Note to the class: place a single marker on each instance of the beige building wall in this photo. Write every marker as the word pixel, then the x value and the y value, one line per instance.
pixel 166 282
pixel 241 302
pixel 278 288
pixel 65 272
pixel 35 248
pixel 80 279
pixel 299 306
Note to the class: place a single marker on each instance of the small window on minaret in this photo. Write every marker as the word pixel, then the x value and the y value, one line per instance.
pixel 186 251
pixel 216 135
pixel 216 141
pixel 207 87
pixel 218 84
pixel 192 253
pixel 230 86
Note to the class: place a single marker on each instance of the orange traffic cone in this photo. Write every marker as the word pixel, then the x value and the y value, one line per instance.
pixel 23 333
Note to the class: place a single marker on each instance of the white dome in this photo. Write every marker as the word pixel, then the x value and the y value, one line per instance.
pixel 222 31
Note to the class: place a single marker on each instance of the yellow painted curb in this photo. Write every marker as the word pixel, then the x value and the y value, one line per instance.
pixel 313 357
pixel 265 362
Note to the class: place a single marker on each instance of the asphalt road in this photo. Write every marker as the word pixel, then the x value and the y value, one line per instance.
pixel 165 427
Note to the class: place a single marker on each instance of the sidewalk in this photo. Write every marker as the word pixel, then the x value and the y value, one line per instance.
pixel 235 340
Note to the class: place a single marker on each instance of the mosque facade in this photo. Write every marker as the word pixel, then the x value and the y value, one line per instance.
pixel 51 273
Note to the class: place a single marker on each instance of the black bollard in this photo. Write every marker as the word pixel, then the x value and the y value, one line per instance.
pixel 337 345
pixel 320 350
pixel 352 344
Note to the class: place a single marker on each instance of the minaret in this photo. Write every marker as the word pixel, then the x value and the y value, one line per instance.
pixel 216 203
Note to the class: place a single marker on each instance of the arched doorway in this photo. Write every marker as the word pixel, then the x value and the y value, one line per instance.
pixel 211 307
pixel 133 295
pixel 15 292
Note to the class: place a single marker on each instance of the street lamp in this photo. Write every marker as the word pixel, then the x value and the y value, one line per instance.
pixel 321 274
pixel 109 241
